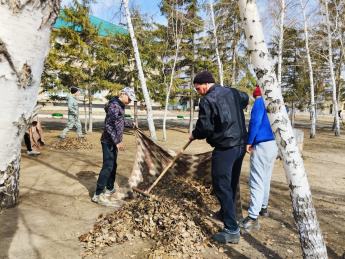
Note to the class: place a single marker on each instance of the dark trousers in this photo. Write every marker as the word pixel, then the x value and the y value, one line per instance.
pixel 226 170
pixel 27 141
pixel 107 175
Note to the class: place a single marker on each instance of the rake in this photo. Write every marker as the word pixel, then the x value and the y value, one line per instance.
pixel 147 192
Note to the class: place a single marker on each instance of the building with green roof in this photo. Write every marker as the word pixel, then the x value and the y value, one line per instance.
pixel 105 27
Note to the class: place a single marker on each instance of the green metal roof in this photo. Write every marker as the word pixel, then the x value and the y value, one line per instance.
pixel 105 27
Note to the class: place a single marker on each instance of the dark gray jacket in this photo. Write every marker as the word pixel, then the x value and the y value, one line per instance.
pixel 221 118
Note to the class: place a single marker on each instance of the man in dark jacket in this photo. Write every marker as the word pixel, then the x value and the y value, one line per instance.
pixel 221 121
pixel 112 141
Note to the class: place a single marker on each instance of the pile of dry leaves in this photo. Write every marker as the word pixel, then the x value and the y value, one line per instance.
pixel 71 144
pixel 180 224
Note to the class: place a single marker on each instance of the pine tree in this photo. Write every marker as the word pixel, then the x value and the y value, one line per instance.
pixel 80 57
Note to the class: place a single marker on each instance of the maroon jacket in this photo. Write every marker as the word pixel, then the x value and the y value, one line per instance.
pixel 114 122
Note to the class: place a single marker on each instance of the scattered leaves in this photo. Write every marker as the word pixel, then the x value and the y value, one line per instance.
pixel 179 224
pixel 71 144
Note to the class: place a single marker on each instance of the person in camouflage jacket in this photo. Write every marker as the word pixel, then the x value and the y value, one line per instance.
pixel 73 114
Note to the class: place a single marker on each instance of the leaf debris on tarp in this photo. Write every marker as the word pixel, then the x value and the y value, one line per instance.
pixel 179 224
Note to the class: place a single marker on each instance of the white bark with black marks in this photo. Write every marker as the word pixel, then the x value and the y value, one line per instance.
pixel 330 60
pixel 24 45
pixel 311 77
pixel 311 239
pixel 281 41
pixel 220 65
pixel 141 73
pixel 178 34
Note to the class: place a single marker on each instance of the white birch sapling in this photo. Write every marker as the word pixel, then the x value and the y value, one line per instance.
pixel 330 60
pixel 311 78
pixel 220 65
pixel 177 28
pixel 141 73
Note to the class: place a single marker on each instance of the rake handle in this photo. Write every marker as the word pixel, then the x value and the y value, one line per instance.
pixel 168 167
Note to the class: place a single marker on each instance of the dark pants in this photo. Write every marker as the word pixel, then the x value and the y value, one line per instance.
pixel 27 141
pixel 226 170
pixel 107 175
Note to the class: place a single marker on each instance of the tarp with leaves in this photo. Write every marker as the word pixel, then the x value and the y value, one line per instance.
pixel 151 159
pixel 179 226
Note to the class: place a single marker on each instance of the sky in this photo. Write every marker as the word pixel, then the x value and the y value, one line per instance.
pixel 109 9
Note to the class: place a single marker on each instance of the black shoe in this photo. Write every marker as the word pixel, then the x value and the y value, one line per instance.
pixel 249 223
pixel 219 216
pixel 264 212
pixel 225 237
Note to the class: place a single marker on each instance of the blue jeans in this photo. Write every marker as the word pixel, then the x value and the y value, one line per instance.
pixel 106 178
pixel 226 170
pixel 261 166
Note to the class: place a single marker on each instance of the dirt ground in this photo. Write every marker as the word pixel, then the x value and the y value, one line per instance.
pixel 56 187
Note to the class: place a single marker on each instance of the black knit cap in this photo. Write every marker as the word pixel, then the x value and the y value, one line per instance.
pixel 203 77
pixel 74 90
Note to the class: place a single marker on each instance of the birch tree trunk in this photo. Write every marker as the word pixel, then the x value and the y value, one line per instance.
pixel 178 33
pixel 85 124
pixel 191 111
pixel 141 73
pixel 136 114
pixel 281 41
pixel 24 45
pixel 89 131
pixel 311 78
pixel 342 53
pixel 220 65
pixel 293 110
pixel 310 235
pixel 169 89
pixel 233 77
pixel 330 60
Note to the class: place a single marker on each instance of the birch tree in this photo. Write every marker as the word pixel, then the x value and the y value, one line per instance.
pixel 177 33
pixel 24 45
pixel 310 235
pixel 220 65
pixel 330 60
pixel 281 42
pixel 311 78
pixel 141 73
pixel 339 24
pixel 232 50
